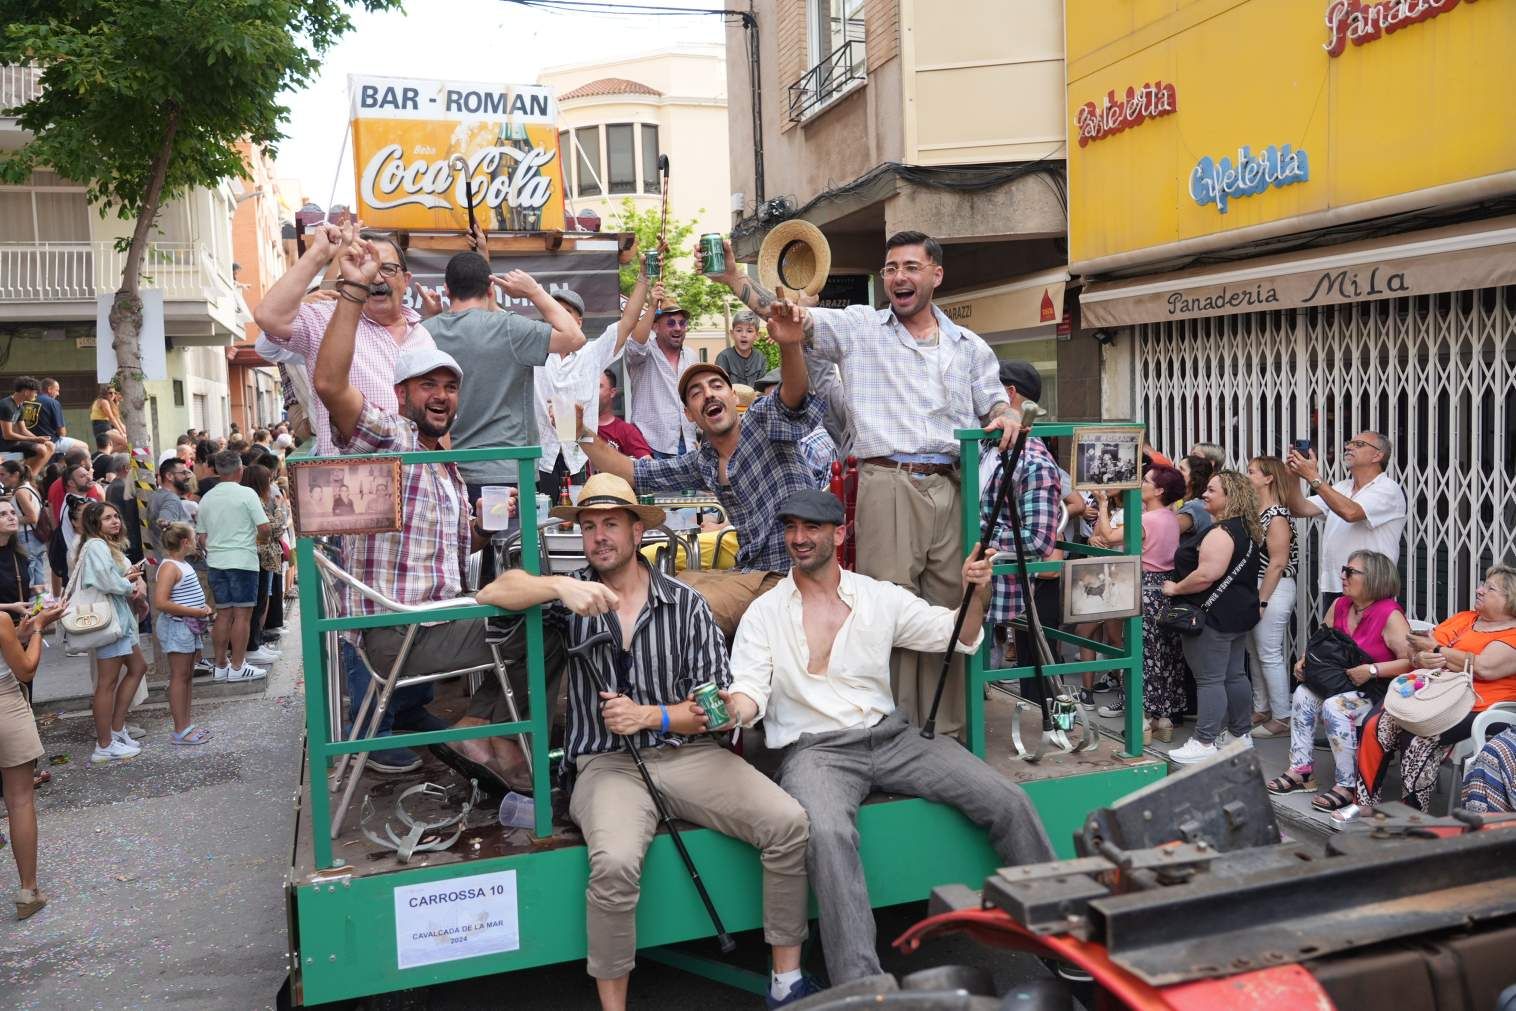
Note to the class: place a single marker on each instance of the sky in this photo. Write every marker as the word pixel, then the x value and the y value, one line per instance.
pixel 462 40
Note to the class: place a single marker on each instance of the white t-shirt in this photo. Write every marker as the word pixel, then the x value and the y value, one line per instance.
pixel 574 375
pixel 1384 506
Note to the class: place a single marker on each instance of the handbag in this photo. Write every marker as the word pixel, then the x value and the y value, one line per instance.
pixel 1328 655
pixel 90 620
pixel 1189 619
pixel 1427 703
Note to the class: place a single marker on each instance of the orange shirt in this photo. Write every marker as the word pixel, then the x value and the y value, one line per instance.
pixel 1459 633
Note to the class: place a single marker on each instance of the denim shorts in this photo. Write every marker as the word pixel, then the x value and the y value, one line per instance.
pixel 121 647
pixel 235 587
pixel 175 636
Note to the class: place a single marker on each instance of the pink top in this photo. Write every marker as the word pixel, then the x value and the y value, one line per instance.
pixel 1369 635
pixel 1160 539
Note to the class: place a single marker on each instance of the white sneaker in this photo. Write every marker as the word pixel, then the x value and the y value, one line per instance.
pixel 221 673
pixel 1191 752
pixel 263 655
pixel 1225 740
pixel 115 753
pixel 247 672
pixel 125 737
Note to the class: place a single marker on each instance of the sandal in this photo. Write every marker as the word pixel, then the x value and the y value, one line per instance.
pixel 489 781
pixel 192 734
pixel 1291 782
pixel 41 777
pixel 29 901
pixel 1333 800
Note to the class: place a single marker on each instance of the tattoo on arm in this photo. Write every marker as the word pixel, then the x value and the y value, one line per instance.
pixel 756 297
pixel 997 410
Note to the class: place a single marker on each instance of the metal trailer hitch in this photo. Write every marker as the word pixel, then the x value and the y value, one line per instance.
pixel 410 844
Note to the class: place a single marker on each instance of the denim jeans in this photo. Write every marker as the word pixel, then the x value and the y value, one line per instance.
pixel 407 710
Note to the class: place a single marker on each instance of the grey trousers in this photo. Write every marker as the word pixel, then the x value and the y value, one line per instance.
pixel 1223 694
pixel 831 774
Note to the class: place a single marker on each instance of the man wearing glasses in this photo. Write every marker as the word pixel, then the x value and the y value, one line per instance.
pixel 911 376
pixel 386 327
pixel 1365 511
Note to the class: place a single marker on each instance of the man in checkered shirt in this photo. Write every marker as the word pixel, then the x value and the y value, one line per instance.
pixel 750 461
pixel 912 376
pixel 425 560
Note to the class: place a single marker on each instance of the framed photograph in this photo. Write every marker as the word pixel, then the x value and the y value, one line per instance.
pixel 1095 589
pixel 1108 459
pixel 335 496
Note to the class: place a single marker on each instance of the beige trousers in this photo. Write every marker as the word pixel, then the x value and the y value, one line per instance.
pixel 909 533
pixel 728 592
pixel 702 783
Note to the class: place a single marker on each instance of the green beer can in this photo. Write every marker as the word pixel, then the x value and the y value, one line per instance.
pixel 652 264
pixel 714 251
pixel 706 698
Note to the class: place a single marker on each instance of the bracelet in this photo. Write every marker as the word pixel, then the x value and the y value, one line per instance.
pixel 350 298
pixel 665 711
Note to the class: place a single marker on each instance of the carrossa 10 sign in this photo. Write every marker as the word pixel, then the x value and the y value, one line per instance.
pixel 423 150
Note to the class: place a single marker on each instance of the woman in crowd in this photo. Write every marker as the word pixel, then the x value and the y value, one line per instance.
pixel 15 568
pixel 277 552
pixel 1368 613
pixel 1489 787
pixel 105 418
pixel 1276 599
pixel 119 666
pixel 20 747
pixel 1220 576
pixel 259 479
pixel 182 613
pixel 1194 521
pixel 1485 639
pixel 1109 531
pixel 1162 658
pixel 17 481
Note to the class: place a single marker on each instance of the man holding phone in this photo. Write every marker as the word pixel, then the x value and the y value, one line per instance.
pixel 1366 511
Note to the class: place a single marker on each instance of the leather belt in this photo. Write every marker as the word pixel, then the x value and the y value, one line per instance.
pixel 938 469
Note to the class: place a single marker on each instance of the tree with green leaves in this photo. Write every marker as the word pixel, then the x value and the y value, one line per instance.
pixel 144 101
pixel 697 294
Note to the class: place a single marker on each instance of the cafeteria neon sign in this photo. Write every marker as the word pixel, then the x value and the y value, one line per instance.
pixel 1213 182
pixel 1359 23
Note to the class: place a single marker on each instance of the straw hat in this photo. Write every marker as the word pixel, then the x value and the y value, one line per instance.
pixel 608 491
pixel 745 396
pixel 794 256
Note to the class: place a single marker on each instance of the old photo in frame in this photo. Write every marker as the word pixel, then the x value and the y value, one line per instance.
pixel 340 496
pixel 1102 588
pixel 1108 459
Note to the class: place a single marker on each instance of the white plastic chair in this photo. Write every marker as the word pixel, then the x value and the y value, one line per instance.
pixel 1499 714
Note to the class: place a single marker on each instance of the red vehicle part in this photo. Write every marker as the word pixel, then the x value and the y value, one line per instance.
pixel 844 484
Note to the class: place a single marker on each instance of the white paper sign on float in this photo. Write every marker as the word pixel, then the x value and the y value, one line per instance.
pixel 457 918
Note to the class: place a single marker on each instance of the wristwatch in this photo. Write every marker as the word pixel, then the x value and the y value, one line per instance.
pixel 1316 484
pixel 1373 670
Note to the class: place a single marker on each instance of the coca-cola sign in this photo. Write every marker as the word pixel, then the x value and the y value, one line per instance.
pixel 1115 113
pixel 424 151
pixel 1361 23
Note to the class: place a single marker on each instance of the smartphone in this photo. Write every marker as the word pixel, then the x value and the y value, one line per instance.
pixel 1303 447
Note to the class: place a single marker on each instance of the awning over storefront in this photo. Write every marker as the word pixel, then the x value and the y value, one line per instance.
pixel 1021 303
pixel 1471 255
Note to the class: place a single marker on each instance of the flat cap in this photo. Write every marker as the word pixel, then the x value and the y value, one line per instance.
pixel 813 506
pixel 1023 377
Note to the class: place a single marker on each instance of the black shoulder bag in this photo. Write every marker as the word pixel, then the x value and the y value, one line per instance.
pixel 1189 619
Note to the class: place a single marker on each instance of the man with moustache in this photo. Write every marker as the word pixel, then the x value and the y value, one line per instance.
pixel 751 461
pixel 912 376
pixel 664 645
pixel 812 661
pixel 654 372
pixel 424 561
pixel 386 327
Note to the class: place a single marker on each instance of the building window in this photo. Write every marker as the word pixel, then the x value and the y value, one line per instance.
pixel 587 161
pixel 621 158
pixel 178 392
pixel 835 41
pixel 650 180
pixel 565 148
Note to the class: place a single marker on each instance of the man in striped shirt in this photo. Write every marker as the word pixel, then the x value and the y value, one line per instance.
pixel 664 644
pixel 425 560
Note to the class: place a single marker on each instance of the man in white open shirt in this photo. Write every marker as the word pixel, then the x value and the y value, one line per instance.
pixel 811 658
pixel 1366 511
pixel 576 376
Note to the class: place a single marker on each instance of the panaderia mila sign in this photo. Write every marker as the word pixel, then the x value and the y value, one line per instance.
pixel 410 134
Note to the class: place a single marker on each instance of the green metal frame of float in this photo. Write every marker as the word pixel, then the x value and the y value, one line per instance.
pixel 342 924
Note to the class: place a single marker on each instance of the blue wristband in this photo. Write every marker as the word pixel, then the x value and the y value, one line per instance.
pixel 665 711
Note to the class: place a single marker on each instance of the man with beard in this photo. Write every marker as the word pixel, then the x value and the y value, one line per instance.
pixel 912 376
pixel 751 461
pixel 423 561
pixel 664 645
pixel 654 371
pixel 386 328
pixel 812 661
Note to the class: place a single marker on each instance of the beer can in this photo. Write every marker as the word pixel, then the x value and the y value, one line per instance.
pixel 652 264
pixel 714 251
pixel 706 698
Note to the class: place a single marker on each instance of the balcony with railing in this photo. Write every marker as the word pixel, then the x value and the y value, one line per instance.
pixel 842 70
pixel 18 85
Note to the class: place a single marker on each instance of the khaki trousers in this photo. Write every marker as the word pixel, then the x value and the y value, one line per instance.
pixel 909 533
pixel 728 592
pixel 702 783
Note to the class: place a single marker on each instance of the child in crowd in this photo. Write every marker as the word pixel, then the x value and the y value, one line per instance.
pixel 743 362
pixel 182 613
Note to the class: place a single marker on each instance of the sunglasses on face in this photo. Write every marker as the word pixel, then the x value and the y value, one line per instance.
pixel 1348 570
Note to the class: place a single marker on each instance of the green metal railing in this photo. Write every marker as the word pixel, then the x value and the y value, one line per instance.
pixel 314 624
pixel 1126 658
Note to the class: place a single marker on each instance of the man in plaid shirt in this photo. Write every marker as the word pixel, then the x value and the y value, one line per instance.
pixel 912 377
pixel 425 560
pixel 750 461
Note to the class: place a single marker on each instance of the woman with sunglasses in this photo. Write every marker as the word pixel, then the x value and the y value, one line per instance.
pixel 1369 614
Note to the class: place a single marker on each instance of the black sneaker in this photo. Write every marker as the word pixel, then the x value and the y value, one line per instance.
pixel 1107 684
pixel 1087 698
pixel 1116 707
pixel 799 990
